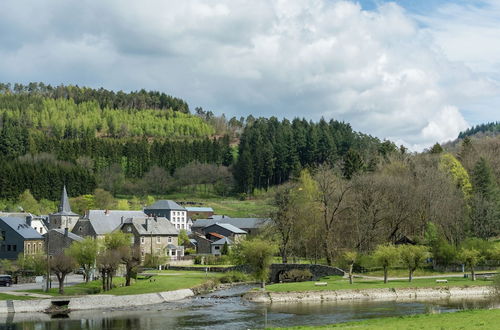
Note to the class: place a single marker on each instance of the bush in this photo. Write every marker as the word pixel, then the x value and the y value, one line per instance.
pixel 189 251
pixel 296 275
pixel 198 260
pixel 234 277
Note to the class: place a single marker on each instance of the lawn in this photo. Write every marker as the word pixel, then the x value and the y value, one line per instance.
pixel 471 319
pixel 339 283
pixel 404 273
pixel 5 296
pixel 173 281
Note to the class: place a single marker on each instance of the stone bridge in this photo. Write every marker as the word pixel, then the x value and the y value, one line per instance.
pixel 318 271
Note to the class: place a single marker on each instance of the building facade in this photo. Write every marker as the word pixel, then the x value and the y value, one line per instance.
pixel 175 213
pixel 17 237
pixel 64 218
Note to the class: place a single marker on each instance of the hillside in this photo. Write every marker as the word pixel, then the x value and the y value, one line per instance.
pixel 492 128
pixel 147 142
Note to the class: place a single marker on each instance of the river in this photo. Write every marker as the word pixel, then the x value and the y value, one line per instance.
pixel 225 309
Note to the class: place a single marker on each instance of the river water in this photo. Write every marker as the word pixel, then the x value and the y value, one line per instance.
pixel 226 310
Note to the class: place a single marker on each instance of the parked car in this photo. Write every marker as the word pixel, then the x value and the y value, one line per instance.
pixel 5 280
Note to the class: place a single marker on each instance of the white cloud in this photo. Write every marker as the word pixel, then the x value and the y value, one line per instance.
pixel 378 70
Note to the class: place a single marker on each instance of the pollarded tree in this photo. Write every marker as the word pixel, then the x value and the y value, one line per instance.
pixel 470 257
pixel 62 265
pixel 350 257
pixel 386 256
pixel 413 256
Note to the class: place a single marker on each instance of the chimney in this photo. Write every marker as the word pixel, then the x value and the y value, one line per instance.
pixel 29 218
pixel 147 223
pixel 66 232
pixel 122 220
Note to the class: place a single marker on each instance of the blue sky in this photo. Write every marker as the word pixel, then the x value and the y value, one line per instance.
pixel 413 71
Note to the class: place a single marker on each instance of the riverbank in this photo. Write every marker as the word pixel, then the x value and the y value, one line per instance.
pixel 383 294
pixel 470 319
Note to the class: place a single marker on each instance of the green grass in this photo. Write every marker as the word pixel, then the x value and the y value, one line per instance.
pixel 177 280
pixel 5 296
pixel 404 273
pixel 339 283
pixel 471 319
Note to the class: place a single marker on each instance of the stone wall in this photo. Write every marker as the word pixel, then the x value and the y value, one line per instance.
pixel 317 271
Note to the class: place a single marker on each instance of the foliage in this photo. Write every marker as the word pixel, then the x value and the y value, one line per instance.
pixel 470 257
pixel 350 258
pixel 154 260
pixel 35 264
pixel 234 277
pixel 61 265
pixel 183 237
pixel 258 255
pixel 451 165
pixel 85 254
pixel 386 256
pixel 413 256
pixel 296 275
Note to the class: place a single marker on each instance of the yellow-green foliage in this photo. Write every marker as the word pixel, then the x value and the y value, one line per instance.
pixel 451 165
pixel 58 115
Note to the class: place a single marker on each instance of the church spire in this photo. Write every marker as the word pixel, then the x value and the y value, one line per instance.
pixel 64 205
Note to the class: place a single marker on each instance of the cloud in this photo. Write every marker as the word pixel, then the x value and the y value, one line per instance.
pixel 380 70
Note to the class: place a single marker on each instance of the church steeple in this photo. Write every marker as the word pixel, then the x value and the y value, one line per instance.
pixel 64 205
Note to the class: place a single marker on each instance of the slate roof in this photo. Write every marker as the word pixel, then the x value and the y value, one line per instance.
pixel 230 227
pixel 222 241
pixel 237 222
pixel 199 209
pixel 64 207
pixel 165 205
pixel 20 226
pixel 158 226
pixel 105 221
pixel 70 234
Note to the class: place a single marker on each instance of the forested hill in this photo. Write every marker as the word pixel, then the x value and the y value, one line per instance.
pixel 492 128
pixel 149 143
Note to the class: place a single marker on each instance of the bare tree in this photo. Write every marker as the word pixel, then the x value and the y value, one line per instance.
pixel 61 265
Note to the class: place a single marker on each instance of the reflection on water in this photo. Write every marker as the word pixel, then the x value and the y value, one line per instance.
pixel 226 310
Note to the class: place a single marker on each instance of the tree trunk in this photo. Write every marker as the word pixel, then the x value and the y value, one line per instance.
pixel 350 273
pixel 127 276
pixel 103 273
pixel 284 257
pixel 385 274
pixel 410 275
pixel 60 278
pixel 473 273
pixel 263 285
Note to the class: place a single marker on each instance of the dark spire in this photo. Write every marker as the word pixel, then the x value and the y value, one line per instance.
pixel 64 205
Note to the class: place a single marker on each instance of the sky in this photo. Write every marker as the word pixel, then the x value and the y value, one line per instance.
pixel 412 71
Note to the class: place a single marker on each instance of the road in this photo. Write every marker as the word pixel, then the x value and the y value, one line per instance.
pixel 70 280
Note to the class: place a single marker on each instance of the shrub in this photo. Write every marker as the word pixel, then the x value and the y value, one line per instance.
pixel 198 260
pixel 234 277
pixel 296 275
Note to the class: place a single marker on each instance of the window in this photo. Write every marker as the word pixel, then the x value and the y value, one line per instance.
pixel 158 239
pixel 217 247
pixel 40 247
pixel 3 235
pixel 80 228
pixel 41 228
pixel 9 247
pixel 170 239
pixel 143 240
pixel 182 226
pixel 129 229
pixel 173 252
pixel 14 247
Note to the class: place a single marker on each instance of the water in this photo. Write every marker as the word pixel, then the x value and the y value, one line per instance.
pixel 226 310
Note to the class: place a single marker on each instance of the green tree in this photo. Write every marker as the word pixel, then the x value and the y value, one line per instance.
pixel 61 265
pixel 470 257
pixel 352 164
pixel 85 254
pixel 350 257
pixel 258 254
pixel 103 199
pixel 386 256
pixel 183 237
pixel 413 256
pixel 451 165
pixel 28 203
pixel 436 149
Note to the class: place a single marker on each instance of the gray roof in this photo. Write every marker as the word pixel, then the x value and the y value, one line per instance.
pixel 199 209
pixel 105 221
pixel 158 226
pixel 20 226
pixel 237 222
pixel 222 241
pixel 165 205
pixel 70 234
pixel 64 207
pixel 230 227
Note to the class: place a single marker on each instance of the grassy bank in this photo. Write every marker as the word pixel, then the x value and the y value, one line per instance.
pixel 339 283
pixel 471 319
pixel 168 281
pixel 6 296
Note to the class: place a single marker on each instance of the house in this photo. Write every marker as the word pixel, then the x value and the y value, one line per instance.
pixel 218 245
pixel 64 218
pixel 17 236
pixel 57 240
pixel 203 245
pixel 97 223
pixel 154 235
pixel 38 223
pixel 172 211
pixel 251 226
pixel 221 230
pixel 196 212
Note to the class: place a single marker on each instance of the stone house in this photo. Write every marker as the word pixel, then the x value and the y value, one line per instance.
pixel 97 223
pixel 221 230
pixel 17 236
pixel 251 225
pixel 154 235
